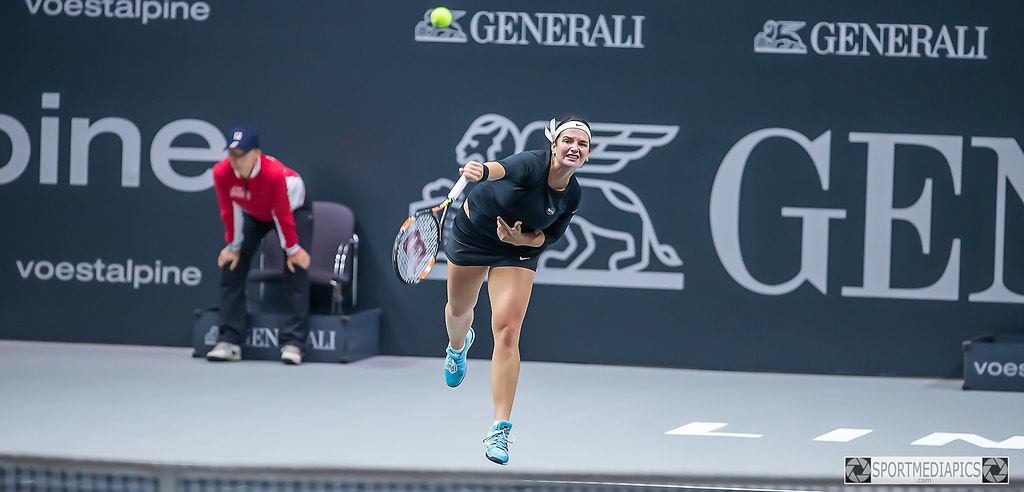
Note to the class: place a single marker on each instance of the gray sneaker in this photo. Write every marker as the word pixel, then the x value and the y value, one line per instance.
pixel 290 354
pixel 224 352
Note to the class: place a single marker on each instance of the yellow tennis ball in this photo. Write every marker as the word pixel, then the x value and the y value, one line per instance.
pixel 441 17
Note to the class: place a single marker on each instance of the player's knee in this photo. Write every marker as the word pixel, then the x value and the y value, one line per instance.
pixel 506 335
pixel 459 309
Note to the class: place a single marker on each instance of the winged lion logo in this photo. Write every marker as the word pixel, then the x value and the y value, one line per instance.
pixel 612 241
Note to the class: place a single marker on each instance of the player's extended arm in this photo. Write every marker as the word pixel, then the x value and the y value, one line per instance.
pixel 474 171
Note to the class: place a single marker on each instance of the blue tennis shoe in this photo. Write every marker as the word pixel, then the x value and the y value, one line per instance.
pixel 497 442
pixel 455 362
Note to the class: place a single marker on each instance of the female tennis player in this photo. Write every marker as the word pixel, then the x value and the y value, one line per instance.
pixel 523 205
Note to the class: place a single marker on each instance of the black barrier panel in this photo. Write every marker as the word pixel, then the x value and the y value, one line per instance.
pixel 783 186
pixel 994 363
pixel 330 338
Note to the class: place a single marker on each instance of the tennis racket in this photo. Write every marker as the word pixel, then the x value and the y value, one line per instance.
pixel 419 239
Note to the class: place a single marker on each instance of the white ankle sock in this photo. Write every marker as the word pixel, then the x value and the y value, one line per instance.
pixel 464 344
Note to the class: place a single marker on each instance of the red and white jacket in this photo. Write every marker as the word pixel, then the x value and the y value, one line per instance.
pixel 271 192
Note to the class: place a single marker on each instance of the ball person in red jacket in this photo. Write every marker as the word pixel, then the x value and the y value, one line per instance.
pixel 257 194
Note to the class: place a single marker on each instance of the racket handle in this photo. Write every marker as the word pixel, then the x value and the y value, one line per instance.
pixel 457 189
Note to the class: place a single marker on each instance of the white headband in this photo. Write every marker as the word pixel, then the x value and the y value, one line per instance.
pixel 551 132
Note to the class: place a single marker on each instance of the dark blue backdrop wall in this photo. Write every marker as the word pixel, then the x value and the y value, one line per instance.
pixel 790 186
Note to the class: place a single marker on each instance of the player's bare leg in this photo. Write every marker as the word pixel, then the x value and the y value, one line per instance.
pixel 509 289
pixel 463 290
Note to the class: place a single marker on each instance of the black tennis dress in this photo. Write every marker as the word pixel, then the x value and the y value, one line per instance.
pixel 523 195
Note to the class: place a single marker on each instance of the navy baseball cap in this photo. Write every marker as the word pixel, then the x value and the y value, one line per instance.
pixel 243 137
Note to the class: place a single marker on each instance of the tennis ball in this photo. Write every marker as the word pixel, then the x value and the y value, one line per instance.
pixel 441 17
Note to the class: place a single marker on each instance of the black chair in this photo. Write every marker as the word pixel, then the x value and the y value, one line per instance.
pixel 334 255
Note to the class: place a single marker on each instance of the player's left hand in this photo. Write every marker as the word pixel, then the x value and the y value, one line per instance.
pixel 508 234
pixel 515 235
pixel 299 259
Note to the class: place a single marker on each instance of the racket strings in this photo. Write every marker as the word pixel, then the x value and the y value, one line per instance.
pixel 417 247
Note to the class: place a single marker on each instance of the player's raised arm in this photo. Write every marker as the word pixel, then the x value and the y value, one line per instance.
pixel 487 171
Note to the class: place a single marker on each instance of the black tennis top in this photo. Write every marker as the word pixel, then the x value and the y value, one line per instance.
pixel 523 195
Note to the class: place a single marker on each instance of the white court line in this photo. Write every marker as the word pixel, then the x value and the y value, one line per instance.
pixel 707 429
pixel 842 435
pixel 668 486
